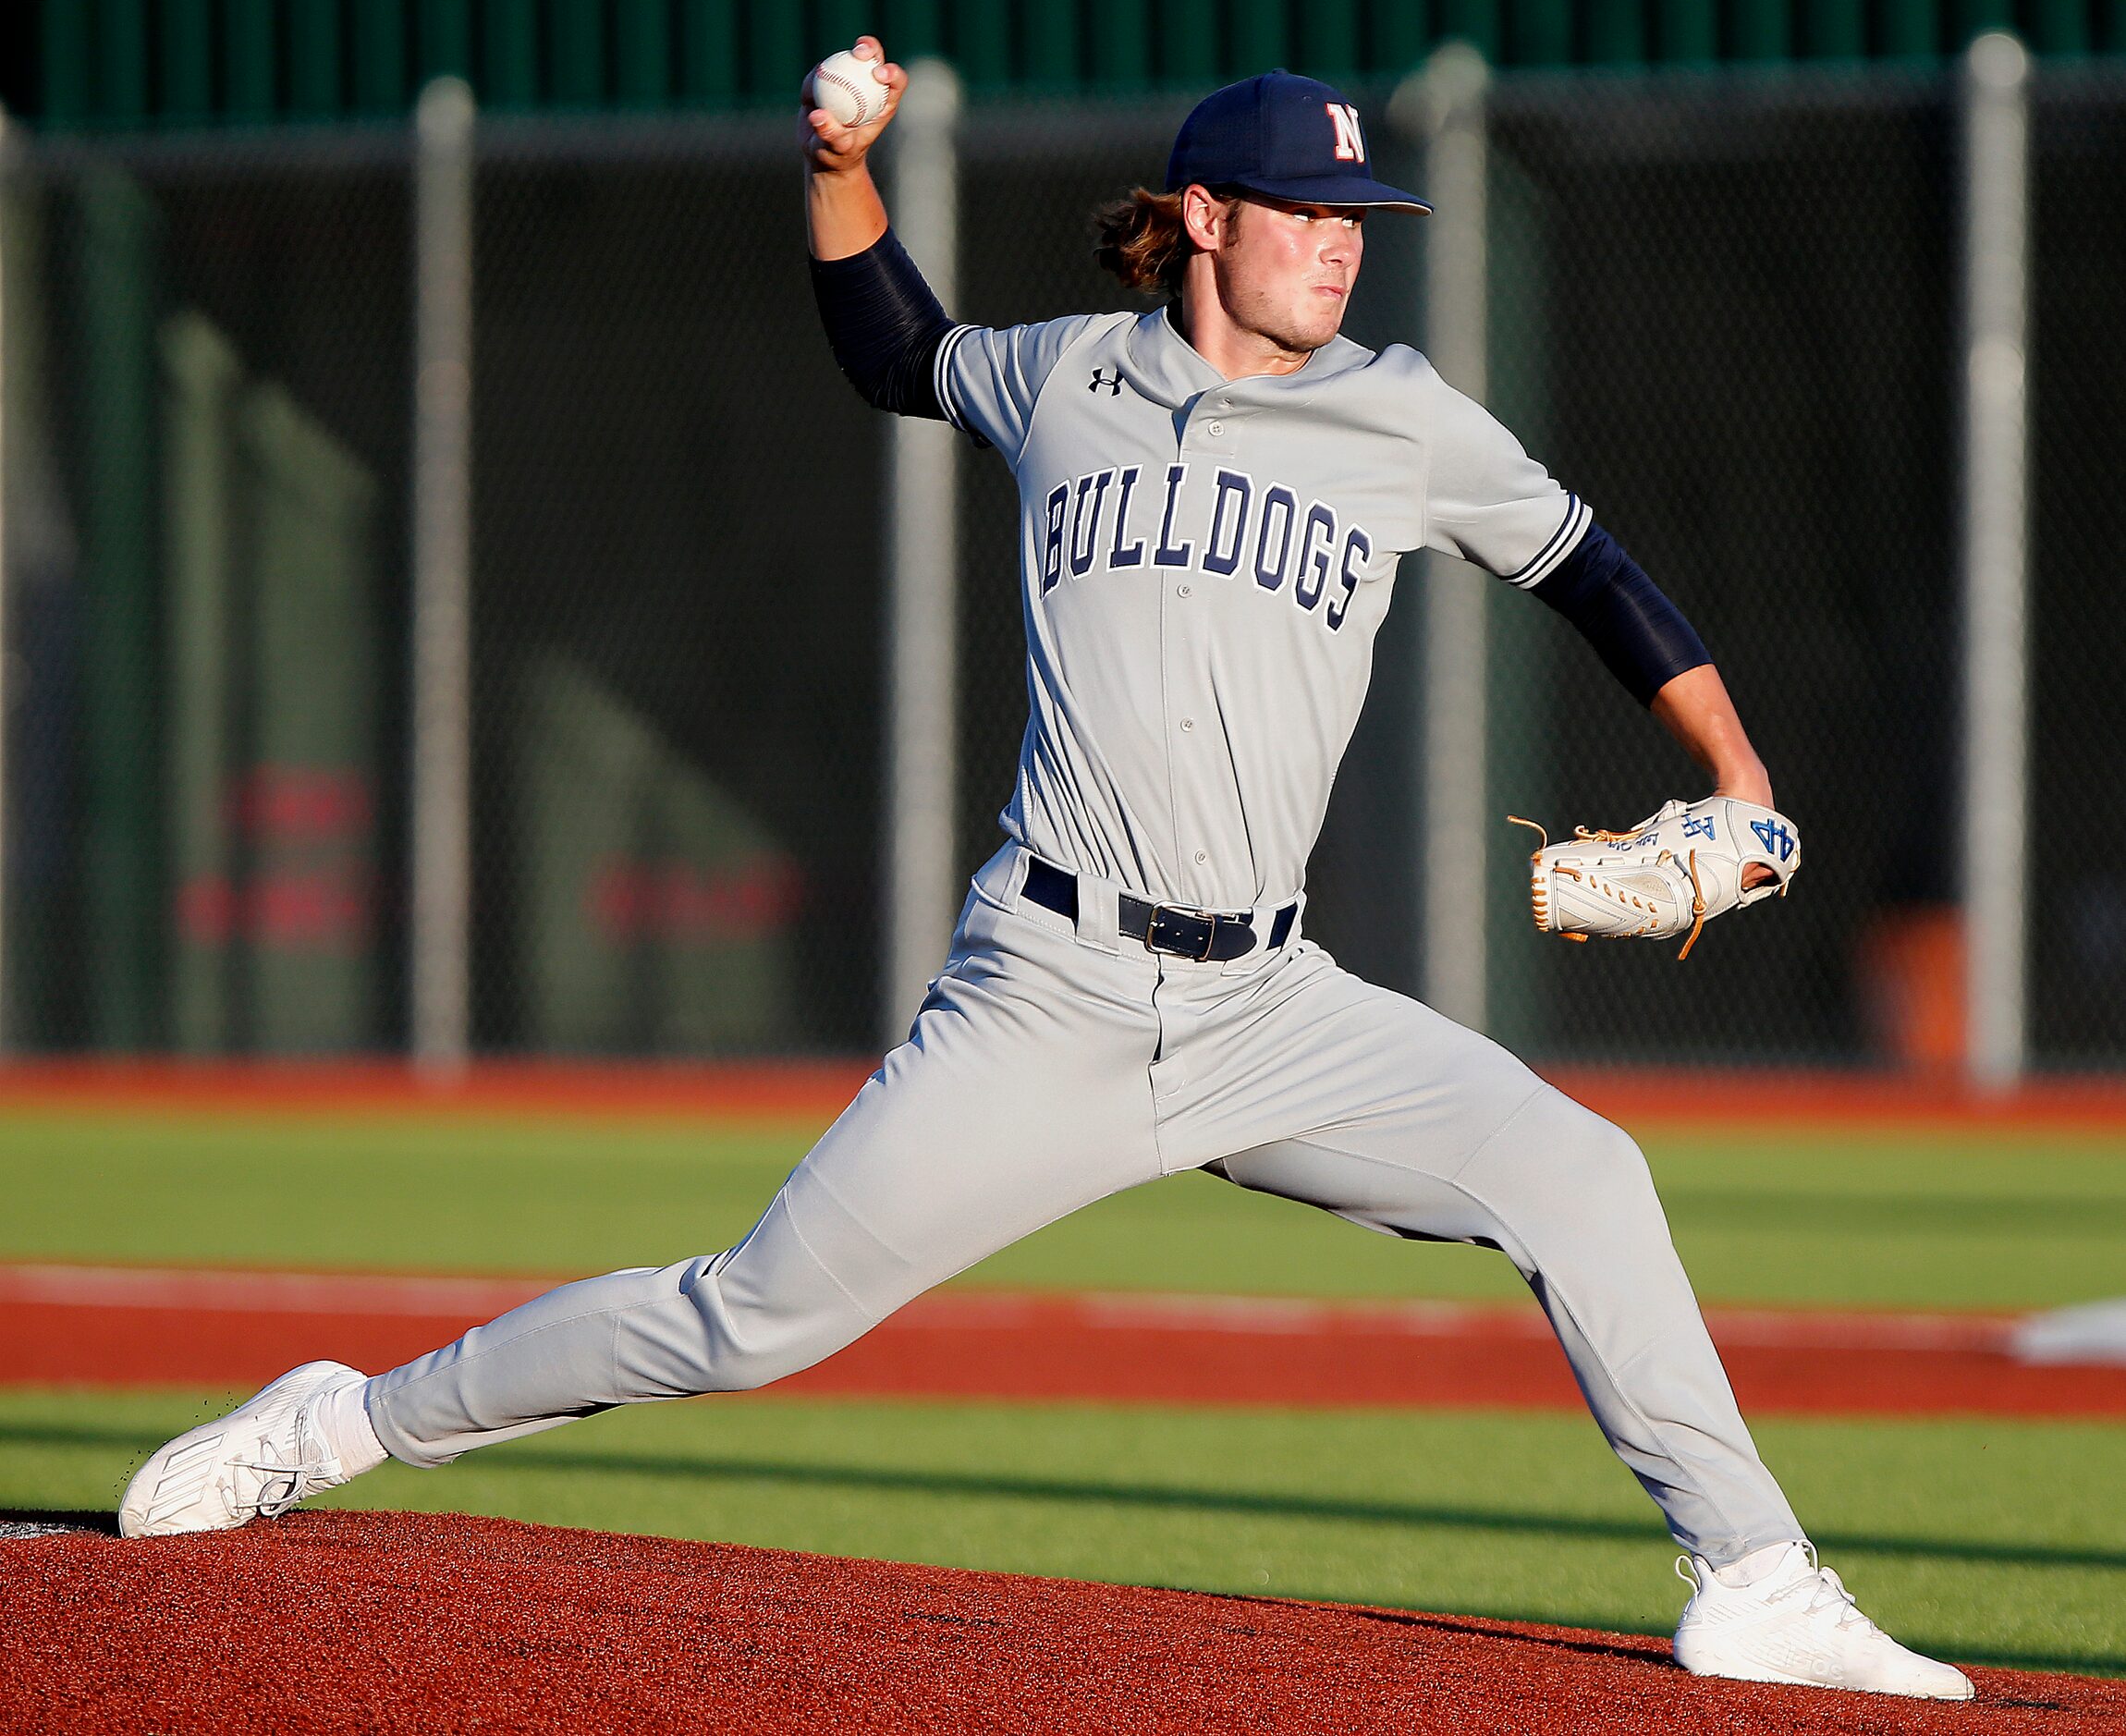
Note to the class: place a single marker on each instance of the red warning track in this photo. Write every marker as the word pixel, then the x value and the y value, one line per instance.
pixel 110 1326
pixel 809 1094
pixel 386 1621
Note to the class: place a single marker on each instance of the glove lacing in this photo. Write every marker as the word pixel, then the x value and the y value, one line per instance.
pixel 1697 910
pixel 1594 835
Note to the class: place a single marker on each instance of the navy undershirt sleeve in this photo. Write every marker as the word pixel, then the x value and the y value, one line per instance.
pixel 1638 634
pixel 883 325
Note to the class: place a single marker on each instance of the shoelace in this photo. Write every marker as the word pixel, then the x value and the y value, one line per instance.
pixel 299 1483
pixel 284 1486
pixel 1826 1591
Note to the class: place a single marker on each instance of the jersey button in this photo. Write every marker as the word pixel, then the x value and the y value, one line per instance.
pixel 1203 856
pixel 1188 723
pixel 1217 428
pixel 1185 591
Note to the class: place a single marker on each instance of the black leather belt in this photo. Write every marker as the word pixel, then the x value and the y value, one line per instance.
pixel 1208 936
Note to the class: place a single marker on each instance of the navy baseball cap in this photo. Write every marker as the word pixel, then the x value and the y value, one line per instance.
pixel 1283 136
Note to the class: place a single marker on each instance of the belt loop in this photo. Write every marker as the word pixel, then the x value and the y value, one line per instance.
pixel 1099 923
pixel 1263 919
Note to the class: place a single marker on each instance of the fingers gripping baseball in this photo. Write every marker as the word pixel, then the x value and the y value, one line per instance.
pixel 850 97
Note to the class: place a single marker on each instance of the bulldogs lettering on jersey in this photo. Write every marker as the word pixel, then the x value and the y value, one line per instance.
pixel 1205 565
pixel 1078 528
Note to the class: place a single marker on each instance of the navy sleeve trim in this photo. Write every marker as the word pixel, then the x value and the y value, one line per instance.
pixel 1638 634
pixel 885 326
pixel 1563 541
pixel 941 376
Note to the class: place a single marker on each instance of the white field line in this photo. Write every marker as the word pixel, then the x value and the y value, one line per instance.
pixel 262 1292
pixel 480 1298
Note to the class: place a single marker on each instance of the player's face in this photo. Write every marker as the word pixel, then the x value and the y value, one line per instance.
pixel 1285 272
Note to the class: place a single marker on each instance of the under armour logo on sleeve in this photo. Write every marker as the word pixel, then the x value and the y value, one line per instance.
pixel 1349 140
pixel 1114 387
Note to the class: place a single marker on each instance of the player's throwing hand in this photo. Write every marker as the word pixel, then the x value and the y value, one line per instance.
pixel 837 138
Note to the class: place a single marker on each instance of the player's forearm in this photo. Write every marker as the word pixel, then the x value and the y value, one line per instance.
pixel 844 215
pixel 1640 637
pixel 1695 708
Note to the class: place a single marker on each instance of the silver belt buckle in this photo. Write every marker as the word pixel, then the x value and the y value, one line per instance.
pixel 1210 918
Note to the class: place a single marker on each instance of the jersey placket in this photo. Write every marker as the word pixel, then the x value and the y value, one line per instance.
pixel 1200 779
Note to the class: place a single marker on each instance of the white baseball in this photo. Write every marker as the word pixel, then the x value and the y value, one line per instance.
pixel 848 88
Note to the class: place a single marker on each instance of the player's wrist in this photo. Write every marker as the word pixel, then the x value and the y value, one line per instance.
pixel 843 212
pixel 834 175
pixel 1746 780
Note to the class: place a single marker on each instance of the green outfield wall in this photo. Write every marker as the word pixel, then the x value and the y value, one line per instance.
pixel 185 62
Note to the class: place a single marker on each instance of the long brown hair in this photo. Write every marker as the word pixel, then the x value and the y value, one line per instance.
pixel 1142 242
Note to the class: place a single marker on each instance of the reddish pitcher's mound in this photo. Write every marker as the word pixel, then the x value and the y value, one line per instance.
pixel 387 1621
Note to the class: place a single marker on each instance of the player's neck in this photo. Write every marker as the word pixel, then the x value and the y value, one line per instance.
pixel 1232 350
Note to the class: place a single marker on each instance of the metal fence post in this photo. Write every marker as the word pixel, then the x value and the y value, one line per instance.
pixel 921 679
pixel 440 968
pixel 1444 105
pixel 1996 556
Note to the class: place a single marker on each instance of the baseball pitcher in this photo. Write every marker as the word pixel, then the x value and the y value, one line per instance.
pixel 1213 499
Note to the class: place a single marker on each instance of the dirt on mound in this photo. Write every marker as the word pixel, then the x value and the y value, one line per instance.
pixel 389 1622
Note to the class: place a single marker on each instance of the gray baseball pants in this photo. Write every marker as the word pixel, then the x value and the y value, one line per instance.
pixel 1051 1066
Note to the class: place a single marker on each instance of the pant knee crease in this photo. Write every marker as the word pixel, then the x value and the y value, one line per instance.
pixel 847 1295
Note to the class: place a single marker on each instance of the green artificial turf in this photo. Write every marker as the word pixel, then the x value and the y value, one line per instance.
pixel 1999 1541
pixel 1991 1542
pixel 1884 1221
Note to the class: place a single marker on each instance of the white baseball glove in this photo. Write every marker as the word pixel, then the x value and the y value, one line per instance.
pixel 1668 874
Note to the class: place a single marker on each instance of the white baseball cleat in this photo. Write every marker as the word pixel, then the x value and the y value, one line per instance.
pixel 1798 1624
pixel 259 1461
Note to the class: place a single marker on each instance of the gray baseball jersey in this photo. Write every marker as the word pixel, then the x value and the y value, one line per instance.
pixel 1205 563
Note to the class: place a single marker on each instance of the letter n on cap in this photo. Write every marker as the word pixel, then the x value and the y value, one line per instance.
pixel 1349 141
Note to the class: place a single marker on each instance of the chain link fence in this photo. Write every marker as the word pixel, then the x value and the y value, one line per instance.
pixel 1723 310
pixel 2078 785
pixel 206 373
pixel 676 616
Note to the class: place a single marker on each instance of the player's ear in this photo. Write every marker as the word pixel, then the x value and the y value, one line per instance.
pixel 1205 216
